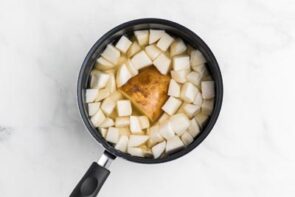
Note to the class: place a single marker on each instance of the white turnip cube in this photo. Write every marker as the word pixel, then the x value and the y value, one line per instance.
pixel 123 44
pixel 98 118
pixel 142 37
pixel 186 138
pixel 123 75
pixel 109 104
pixel 208 90
pixel 144 122
pixel 124 108
pixel 113 135
pixel 174 88
pixel 194 78
pixel 152 51
pixel 91 95
pixel 194 128
pixel 171 105
pixel 179 123
pixel 155 35
pixel 180 75
pixel 102 94
pixel 141 60
pixel 124 131
pixel 188 92
pixel 164 117
pixel 111 85
pixel 177 47
pixel 99 79
pixel 165 41
pixel 122 122
pixel 165 129
pixel 207 107
pixel 201 119
pixel 173 144
pixel 134 48
pixel 197 58
pixel 181 62
pixel 111 54
pixel 137 140
pixel 108 122
pixel 103 132
pixel 135 126
pixel 135 151
pixel 155 136
pixel 103 64
pixel 190 109
pixel 122 144
pixel 158 149
pixel 162 63
pixel 93 108
pixel 133 71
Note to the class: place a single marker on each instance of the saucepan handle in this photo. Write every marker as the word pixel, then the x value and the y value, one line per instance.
pixel 94 178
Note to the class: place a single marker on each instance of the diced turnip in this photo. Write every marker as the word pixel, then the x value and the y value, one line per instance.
pixel 113 135
pixel 122 144
pixel 103 132
pixel 179 123
pixel 144 122
pixel 194 78
pixel 173 144
pixel 162 63
pixel 190 109
pixel 124 131
pixel 155 35
pixel 164 117
pixel 137 140
pixel 123 75
pixel 198 99
pixel 109 104
pixel 111 85
pixel 123 44
pixel 152 51
pixel 93 108
pixel 194 128
pixel 186 138
pixel 165 129
pixel 174 88
pixel 180 75
pixel 201 119
pixel 142 37
pixel 201 69
pixel 122 122
pixel 141 60
pixel 171 105
pixel 102 94
pixel 124 108
pixel 158 149
pixel 177 47
pixel 103 64
pixel 181 63
pixel 91 95
pixel 98 118
pixel 111 54
pixel 134 48
pixel 165 41
pixel 188 92
pixel 155 136
pixel 133 71
pixel 99 79
pixel 135 126
pixel 135 151
pixel 207 107
pixel 197 58
pixel 208 91
pixel 108 122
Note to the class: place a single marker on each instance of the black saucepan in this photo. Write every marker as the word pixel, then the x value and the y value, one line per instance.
pixel 96 175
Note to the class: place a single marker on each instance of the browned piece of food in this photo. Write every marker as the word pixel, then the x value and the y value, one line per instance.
pixel 147 91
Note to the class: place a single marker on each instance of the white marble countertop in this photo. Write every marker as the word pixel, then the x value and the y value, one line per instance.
pixel 45 148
